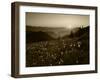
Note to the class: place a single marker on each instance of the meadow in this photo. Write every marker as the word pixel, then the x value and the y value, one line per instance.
pixel 62 51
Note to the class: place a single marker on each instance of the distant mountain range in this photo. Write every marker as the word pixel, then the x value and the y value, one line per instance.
pixel 54 32
pixel 35 34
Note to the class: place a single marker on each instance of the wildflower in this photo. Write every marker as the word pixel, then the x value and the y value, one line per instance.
pixel 79 44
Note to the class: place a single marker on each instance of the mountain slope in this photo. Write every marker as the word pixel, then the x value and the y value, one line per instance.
pixel 54 32
pixel 37 36
pixel 76 33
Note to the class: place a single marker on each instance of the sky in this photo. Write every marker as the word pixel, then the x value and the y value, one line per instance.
pixel 56 20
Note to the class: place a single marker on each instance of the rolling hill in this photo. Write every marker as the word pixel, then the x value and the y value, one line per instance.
pixel 37 36
pixel 54 32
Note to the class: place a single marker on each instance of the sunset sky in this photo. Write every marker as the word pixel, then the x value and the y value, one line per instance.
pixel 56 20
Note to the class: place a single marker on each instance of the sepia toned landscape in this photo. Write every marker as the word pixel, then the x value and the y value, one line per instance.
pixel 56 39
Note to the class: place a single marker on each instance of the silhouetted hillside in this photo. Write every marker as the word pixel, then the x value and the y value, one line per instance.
pixel 37 36
pixel 82 31
pixel 78 33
